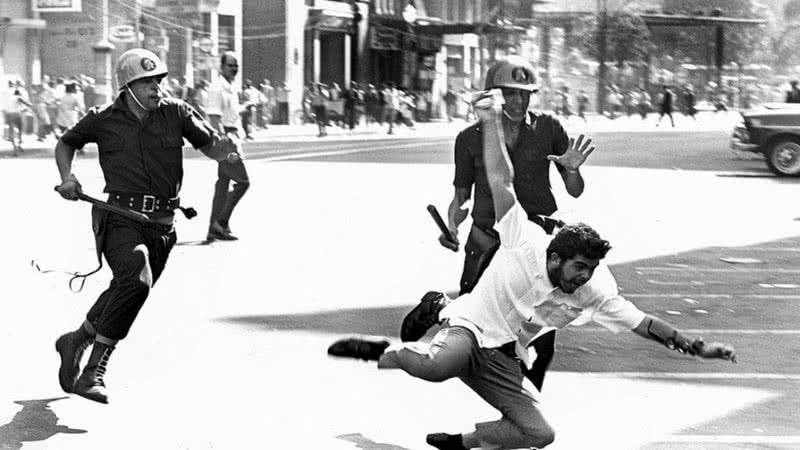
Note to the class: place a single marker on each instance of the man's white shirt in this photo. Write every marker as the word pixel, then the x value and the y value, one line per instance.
pixel 223 101
pixel 515 301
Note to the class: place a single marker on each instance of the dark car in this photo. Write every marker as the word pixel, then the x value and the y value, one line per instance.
pixel 774 131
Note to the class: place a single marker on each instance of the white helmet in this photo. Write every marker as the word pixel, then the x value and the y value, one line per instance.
pixel 512 72
pixel 138 63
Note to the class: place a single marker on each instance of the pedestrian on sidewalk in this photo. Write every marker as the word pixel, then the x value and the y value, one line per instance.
pixel 583 104
pixel 793 94
pixel 282 99
pixel 70 108
pixel 536 284
pixel 223 114
pixel 535 140
pixel 665 105
pixel 15 103
pixel 139 139
pixel 319 100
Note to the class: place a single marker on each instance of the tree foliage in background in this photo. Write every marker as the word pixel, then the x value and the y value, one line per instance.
pixel 743 43
pixel 786 41
pixel 627 37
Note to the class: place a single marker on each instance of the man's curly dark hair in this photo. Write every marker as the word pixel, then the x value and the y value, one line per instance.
pixel 578 239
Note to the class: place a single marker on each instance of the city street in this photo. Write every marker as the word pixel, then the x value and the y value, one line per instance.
pixel 229 351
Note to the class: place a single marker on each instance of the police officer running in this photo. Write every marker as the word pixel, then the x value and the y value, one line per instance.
pixel 140 146
pixel 533 140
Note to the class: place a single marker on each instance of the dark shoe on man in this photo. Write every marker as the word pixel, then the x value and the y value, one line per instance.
pixel 90 384
pixel 422 317
pixel 359 348
pixel 71 347
pixel 444 441
pixel 217 233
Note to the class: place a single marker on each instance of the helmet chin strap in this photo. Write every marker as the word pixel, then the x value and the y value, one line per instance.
pixel 136 99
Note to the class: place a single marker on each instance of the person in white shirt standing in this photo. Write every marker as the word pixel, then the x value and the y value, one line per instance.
pixel 223 114
pixel 533 285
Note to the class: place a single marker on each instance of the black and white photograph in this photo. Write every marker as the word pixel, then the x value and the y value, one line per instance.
pixel 400 224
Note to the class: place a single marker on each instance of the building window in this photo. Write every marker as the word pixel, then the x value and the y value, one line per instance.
pixel 455 60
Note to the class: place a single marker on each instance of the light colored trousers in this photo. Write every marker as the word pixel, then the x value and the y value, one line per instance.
pixel 496 377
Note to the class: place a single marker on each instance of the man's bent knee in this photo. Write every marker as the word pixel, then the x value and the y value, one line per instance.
pixel 539 437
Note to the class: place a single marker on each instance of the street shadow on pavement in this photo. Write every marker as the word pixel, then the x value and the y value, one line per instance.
pixel 34 422
pixel 384 321
pixel 368 444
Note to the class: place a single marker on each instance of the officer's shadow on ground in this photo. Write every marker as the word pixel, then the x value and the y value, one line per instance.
pixel 383 321
pixel 34 422
pixel 365 443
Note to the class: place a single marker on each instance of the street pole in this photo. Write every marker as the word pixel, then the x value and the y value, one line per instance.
pixel 102 62
pixel 601 56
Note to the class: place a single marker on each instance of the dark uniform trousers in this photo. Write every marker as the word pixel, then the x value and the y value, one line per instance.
pixel 226 199
pixel 479 250
pixel 136 253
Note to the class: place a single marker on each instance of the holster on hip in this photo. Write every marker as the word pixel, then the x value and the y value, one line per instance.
pixel 481 246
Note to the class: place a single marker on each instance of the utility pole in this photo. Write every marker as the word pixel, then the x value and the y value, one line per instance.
pixel 602 9
pixel 102 61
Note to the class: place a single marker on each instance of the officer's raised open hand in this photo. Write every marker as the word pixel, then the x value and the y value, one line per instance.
pixel 575 155
pixel 70 188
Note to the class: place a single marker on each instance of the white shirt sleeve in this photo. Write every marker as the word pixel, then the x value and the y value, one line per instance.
pixel 614 311
pixel 214 103
pixel 515 229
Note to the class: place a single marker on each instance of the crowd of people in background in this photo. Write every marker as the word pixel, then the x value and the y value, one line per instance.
pixel 57 103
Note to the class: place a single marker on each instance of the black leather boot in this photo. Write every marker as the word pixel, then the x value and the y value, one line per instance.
pixel 90 384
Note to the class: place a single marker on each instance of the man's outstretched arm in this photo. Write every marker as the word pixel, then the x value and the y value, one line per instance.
pixel 658 330
pixel 499 171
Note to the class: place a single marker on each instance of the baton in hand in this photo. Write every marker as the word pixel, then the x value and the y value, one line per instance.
pixel 141 217
pixel 440 223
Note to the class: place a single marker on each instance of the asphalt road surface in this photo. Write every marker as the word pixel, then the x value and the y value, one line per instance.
pixel 229 351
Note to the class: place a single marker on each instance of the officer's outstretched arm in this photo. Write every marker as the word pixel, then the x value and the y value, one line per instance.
pixel 658 330
pixel 221 149
pixel 499 171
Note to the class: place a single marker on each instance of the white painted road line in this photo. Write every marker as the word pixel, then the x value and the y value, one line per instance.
pixel 711 296
pixel 348 151
pixel 716 270
pixel 729 439
pixel 749 332
pixel 695 375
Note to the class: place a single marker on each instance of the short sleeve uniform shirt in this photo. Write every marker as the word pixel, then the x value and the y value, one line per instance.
pixel 143 157
pixel 540 135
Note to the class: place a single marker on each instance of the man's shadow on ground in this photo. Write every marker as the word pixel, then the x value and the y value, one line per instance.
pixel 378 321
pixel 365 443
pixel 34 422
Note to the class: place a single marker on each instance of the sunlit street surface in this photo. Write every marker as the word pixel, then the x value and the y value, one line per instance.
pixel 229 351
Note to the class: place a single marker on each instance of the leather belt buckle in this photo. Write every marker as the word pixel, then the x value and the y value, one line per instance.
pixel 151 199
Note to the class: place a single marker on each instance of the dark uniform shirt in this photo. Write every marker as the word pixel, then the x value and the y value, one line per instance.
pixel 142 157
pixel 539 136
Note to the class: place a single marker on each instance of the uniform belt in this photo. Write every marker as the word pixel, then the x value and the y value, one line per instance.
pixel 144 202
pixel 509 349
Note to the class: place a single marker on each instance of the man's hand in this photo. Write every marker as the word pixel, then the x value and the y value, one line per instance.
pixel 70 188
pixel 451 241
pixel 488 105
pixel 576 154
pixel 234 157
pixel 232 145
pixel 714 350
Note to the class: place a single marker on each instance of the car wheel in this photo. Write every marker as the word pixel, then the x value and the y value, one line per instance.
pixel 783 158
